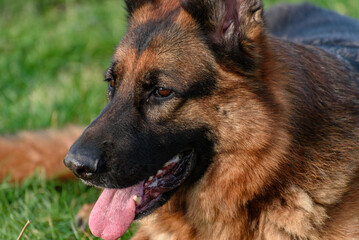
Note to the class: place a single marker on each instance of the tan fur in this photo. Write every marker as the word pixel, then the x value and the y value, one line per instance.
pixel 22 154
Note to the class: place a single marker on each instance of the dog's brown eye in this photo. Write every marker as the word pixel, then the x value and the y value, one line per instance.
pixel 112 83
pixel 162 92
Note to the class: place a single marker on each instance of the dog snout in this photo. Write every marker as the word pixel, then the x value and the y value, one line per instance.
pixel 83 166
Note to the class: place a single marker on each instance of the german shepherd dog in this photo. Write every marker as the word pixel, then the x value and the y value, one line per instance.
pixel 226 123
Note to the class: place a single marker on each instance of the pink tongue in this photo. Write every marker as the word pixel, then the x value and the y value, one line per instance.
pixel 114 212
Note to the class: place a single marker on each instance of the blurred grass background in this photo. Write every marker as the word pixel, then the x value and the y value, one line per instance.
pixel 53 54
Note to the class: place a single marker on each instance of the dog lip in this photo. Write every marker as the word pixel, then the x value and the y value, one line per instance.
pixel 171 176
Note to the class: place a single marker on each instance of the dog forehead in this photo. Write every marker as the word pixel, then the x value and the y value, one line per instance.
pixel 156 43
pixel 156 34
pixel 158 20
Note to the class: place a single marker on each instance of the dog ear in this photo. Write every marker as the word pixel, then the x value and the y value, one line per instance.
pixel 233 26
pixel 132 5
pixel 226 19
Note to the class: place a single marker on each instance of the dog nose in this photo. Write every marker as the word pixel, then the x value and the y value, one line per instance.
pixel 82 166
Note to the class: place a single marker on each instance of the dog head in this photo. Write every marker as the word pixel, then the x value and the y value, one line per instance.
pixel 180 76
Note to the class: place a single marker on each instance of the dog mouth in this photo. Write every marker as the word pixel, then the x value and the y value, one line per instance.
pixel 169 177
pixel 116 209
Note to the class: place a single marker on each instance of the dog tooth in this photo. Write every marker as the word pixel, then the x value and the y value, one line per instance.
pixel 167 164
pixel 150 179
pixel 137 199
pixel 159 172
pixel 175 159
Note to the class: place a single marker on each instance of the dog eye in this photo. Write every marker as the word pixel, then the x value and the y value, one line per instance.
pixel 162 92
pixel 110 88
pixel 111 83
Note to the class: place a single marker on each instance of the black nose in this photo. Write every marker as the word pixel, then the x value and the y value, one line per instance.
pixel 84 165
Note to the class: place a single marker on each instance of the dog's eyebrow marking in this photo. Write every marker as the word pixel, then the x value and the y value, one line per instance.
pixel 109 72
pixel 152 76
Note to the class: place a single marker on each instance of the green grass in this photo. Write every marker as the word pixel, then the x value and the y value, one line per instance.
pixel 35 200
pixel 53 54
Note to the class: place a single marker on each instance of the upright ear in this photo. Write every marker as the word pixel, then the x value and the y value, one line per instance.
pixel 233 26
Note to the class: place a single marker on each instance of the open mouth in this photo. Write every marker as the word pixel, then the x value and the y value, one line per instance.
pixel 169 177
pixel 116 209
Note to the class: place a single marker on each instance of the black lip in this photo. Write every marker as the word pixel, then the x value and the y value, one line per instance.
pixel 190 162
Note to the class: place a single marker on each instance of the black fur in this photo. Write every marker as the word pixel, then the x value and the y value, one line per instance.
pixel 132 5
pixel 310 25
